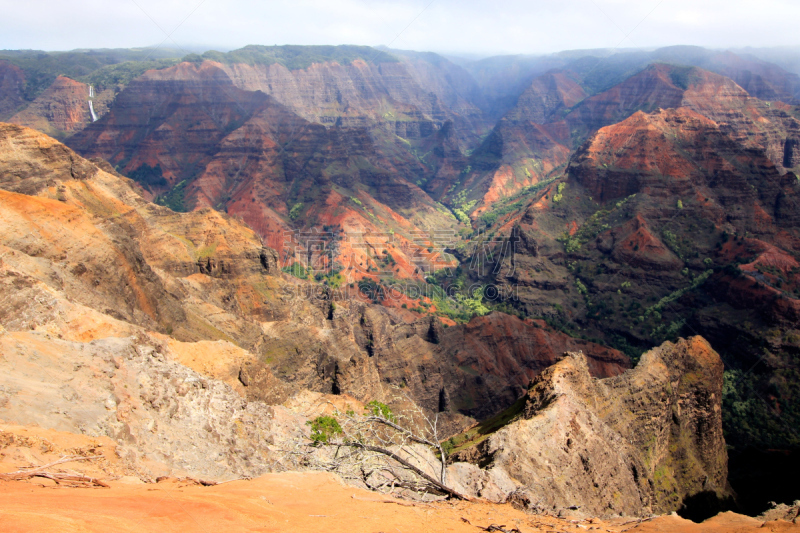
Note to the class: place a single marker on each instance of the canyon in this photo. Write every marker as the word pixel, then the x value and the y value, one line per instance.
pixel 582 268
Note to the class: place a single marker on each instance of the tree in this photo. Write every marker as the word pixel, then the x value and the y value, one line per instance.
pixel 378 447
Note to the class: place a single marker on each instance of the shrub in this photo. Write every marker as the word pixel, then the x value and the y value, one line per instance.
pixel 462 217
pixel 381 410
pixel 149 176
pixel 558 196
pixel 294 212
pixel 323 429
pixel 296 270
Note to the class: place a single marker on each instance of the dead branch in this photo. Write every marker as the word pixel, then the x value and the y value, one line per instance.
pixel 58 477
pixel 499 529
pixel 388 453
pixel 421 440
pixel 396 502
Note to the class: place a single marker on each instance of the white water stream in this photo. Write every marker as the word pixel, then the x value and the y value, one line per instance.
pixel 91 105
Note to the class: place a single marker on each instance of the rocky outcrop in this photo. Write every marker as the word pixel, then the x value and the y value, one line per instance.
pixel 167 419
pixel 671 223
pixel 32 161
pixel 791 153
pixel 782 511
pixel 635 444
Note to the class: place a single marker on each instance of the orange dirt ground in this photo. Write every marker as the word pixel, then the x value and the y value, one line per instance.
pixel 293 502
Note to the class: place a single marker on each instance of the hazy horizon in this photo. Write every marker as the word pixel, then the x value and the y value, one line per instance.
pixel 467 28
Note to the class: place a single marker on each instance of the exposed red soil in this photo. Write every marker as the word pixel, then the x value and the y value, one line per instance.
pixel 296 502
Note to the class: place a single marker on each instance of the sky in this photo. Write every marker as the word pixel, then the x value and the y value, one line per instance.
pixel 467 27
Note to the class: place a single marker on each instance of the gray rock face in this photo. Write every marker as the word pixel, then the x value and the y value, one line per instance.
pixel 167 418
pixel 782 511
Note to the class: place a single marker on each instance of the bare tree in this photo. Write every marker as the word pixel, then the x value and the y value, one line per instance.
pixel 381 449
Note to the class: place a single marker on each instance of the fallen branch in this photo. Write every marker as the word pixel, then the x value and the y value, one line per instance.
pixel 499 529
pixel 41 471
pixel 377 449
pixel 58 478
pixel 397 502
pixel 638 521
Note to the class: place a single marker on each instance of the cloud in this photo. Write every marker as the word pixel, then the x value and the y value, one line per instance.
pixel 474 26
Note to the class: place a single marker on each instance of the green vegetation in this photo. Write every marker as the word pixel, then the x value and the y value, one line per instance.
pixel 296 211
pixel 297 270
pixel 593 226
pixel 558 196
pixel 42 68
pixel 748 416
pixel 296 57
pixel 372 290
pixel 149 176
pixel 333 279
pixel 666 300
pixel 121 74
pixel 513 203
pixel 462 217
pixel 581 287
pixel 323 429
pixel 381 410
pixel 461 207
pixel 482 431
pixel 682 76
pixel 175 199
pixel 452 298
pixel 680 247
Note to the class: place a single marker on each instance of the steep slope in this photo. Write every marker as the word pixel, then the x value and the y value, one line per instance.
pixel 648 441
pixel 44 87
pixel 169 119
pixel 670 223
pixel 86 258
pixel 653 194
pixel 451 83
pixel 358 87
pixel 502 79
pixel 189 128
